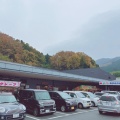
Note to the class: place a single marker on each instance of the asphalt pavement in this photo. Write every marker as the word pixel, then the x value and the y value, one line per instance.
pixel 83 114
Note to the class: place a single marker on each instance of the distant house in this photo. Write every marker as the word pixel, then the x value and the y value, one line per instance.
pixel 92 72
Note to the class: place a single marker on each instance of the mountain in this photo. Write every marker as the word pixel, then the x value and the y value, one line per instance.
pixel 109 64
pixel 15 50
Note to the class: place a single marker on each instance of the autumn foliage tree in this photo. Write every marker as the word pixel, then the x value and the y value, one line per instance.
pixel 15 50
pixel 71 60
pixel 19 52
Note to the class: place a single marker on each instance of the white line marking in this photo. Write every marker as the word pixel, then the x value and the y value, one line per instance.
pixel 32 117
pixel 68 114
pixel 61 116
pixel 61 113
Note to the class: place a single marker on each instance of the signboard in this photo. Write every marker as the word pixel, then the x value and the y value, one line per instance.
pixel 110 83
pixel 10 83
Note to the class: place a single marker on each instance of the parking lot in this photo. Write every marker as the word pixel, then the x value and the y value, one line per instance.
pixel 83 114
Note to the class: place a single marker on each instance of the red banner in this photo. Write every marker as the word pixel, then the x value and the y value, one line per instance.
pixel 10 83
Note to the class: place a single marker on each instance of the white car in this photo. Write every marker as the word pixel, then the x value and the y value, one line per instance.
pixel 94 99
pixel 82 101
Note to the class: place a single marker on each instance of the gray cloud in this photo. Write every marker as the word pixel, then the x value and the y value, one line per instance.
pixel 100 37
pixel 54 25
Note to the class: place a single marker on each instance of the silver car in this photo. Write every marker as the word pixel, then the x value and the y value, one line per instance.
pixel 109 103
pixel 10 109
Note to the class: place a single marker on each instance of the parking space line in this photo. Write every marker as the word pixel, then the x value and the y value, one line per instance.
pixel 69 114
pixel 32 117
pixel 64 115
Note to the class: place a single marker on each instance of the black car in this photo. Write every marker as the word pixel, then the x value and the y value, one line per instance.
pixel 63 101
pixel 37 101
pixel 10 108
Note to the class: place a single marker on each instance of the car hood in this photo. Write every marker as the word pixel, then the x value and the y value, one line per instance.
pixel 11 108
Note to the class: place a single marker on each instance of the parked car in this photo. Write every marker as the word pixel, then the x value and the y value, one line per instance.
pixel 37 101
pixel 112 92
pixel 99 94
pixel 64 102
pixel 11 109
pixel 82 101
pixel 94 99
pixel 109 103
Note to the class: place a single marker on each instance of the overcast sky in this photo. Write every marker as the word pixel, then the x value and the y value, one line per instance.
pixel 50 26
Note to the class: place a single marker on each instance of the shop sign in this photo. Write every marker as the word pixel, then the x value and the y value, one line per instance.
pixel 10 83
pixel 110 83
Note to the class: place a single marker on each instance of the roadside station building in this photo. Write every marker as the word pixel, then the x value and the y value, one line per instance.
pixel 41 78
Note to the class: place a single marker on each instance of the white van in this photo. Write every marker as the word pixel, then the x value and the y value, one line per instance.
pixel 82 101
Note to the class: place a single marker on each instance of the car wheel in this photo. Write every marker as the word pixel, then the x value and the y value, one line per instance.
pixel 63 109
pixel 100 112
pixel 92 104
pixel 80 106
pixel 36 112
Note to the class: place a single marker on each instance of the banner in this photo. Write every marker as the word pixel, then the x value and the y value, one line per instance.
pixel 10 83
pixel 110 83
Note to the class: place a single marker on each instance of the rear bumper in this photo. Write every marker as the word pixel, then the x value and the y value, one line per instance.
pixel 105 109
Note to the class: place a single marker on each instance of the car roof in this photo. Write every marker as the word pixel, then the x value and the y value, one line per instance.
pixel 72 91
pixel 32 90
pixel 56 91
pixel 111 91
pixel 6 93
pixel 107 94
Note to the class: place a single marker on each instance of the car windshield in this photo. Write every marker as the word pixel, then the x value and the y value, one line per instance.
pixel 44 95
pixel 7 99
pixel 118 97
pixel 89 94
pixel 108 98
pixel 64 95
pixel 80 95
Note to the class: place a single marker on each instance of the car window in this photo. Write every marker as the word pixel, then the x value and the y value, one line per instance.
pixel 7 98
pixel 42 95
pixel 91 95
pixel 118 97
pixel 55 95
pixel 64 95
pixel 108 98
pixel 73 95
pixel 29 94
pixel 85 94
pixel 80 95
pixel 23 94
pixel 99 93
pixel 112 93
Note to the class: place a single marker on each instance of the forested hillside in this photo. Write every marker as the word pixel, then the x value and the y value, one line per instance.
pixel 15 50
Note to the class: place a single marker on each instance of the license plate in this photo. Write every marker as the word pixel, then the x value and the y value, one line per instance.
pixel 47 111
pixel 107 104
pixel 15 115
pixel 72 108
